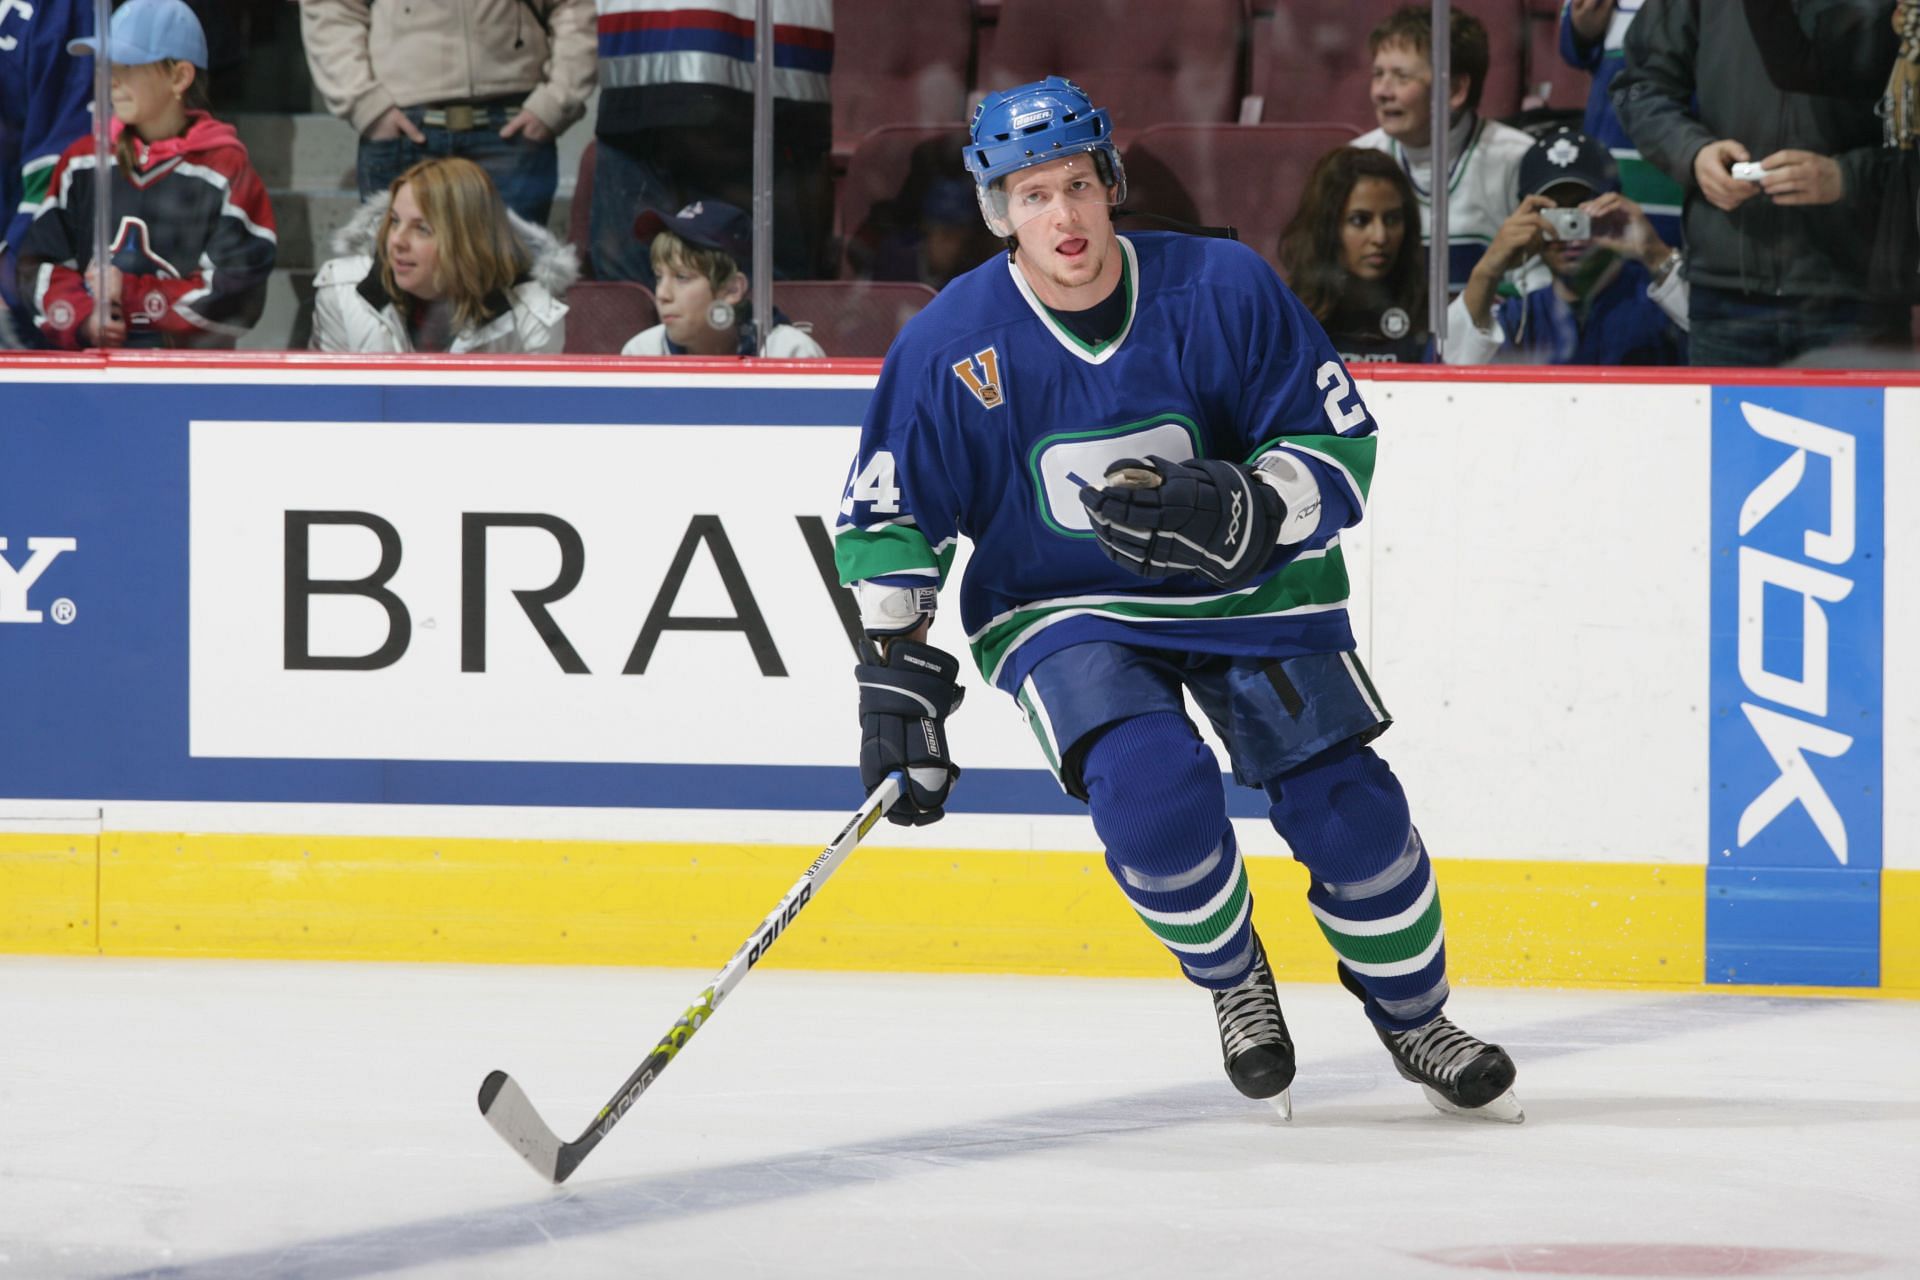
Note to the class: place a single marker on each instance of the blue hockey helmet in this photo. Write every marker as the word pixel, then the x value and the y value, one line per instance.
pixel 1032 124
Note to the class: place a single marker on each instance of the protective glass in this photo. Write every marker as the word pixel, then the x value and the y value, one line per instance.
pixel 1027 194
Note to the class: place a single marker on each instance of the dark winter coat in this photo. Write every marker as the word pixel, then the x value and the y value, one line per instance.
pixel 1678 49
pixel 192 235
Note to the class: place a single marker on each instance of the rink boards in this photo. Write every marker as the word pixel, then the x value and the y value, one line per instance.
pixel 540 663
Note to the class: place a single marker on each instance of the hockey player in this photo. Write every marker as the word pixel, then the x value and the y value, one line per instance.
pixel 44 92
pixel 1153 449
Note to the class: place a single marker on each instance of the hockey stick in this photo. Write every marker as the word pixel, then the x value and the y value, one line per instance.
pixel 505 1104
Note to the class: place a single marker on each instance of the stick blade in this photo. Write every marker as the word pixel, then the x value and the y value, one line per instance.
pixel 507 1108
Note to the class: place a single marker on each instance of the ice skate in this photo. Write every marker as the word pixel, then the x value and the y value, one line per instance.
pixel 1461 1074
pixel 1253 1036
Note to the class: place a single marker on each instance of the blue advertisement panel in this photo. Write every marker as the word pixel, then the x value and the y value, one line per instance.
pixel 1798 609
pixel 572 594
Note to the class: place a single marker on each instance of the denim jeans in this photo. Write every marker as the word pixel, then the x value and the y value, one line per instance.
pixel 1741 329
pixel 525 172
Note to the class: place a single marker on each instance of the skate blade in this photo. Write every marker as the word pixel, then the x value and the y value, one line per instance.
pixel 1282 1102
pixel 1504 1109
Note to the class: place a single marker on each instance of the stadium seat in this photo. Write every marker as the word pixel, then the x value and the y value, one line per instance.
pixel 580 212
pixel 851 317
pixel 1550 81
pixel 888 71
pixel 603 314
pixel 1247 176
pixel 1507 35
pixel 879 170
pixel 1309 61
pixel 1145 61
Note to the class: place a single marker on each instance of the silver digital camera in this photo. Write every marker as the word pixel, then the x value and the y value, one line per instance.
pixel 1568 224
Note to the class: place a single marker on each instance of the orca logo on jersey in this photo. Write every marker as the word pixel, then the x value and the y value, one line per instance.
pixel 981 374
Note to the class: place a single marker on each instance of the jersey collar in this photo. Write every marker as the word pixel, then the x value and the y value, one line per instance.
pixel 1462 146
pixel 1091 352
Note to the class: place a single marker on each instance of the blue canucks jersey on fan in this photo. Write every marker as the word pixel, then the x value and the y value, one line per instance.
pixel 990 416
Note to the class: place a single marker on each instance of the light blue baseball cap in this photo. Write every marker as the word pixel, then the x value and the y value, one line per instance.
pixel 144 31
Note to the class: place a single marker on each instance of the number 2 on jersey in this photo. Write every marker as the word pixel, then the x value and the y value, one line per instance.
pixel 1331 375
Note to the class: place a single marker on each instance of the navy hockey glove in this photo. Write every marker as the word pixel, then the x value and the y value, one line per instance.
pixel 1206 516
pixel 905 699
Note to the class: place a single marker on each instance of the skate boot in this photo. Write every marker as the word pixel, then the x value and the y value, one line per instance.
pixel 1462 1074
pixel 1253 1036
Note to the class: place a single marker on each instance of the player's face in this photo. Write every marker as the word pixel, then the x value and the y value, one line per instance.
pixel 1063 218
pixel 1402 93
pixel 413 251
pixel 1372 229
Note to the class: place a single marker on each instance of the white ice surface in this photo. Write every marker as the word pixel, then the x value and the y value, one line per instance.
pixel 201 1119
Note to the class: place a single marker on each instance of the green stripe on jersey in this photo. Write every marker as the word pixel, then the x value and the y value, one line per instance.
pixel 1386 948
pixel 860 554
pixel 35 175
pixel 1208 933
pixel 1645 183
pixel 1351 454
pixel 1315 581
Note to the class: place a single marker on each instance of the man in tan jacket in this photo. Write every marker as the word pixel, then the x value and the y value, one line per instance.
pixel 495 81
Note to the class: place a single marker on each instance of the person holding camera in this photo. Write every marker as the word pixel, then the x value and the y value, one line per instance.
pixel 1618 295
pixel 1783 190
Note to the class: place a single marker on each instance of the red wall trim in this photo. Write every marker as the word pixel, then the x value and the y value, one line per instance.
pixel 214 361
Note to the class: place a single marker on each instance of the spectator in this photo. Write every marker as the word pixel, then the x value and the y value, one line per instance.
pixel 193 241
pixel 1841 51
pixel 946 239
pixel 44 93
pixel 1483 154
pixel 1867 50
pixel 676 126
pixel 701 259
pixel 1618 296
pixel 1778 265
pixel 1593 36
pixel 1347 255
pixel 495 81
pixel 439 263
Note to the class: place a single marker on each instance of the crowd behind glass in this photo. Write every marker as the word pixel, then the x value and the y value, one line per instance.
pixel 1755 207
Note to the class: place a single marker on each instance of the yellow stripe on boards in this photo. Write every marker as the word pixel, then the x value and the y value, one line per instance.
pixel 47 887
pixel 1900 932
pixel 899 909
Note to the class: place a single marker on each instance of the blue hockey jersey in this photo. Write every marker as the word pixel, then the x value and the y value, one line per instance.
pixel 990 415
pixel 44 95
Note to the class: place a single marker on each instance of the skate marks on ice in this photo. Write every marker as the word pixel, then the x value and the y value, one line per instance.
pixel 1326 1094
pixel 1671 1261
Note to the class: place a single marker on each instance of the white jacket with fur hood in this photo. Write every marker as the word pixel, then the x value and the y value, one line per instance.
pixel 351 310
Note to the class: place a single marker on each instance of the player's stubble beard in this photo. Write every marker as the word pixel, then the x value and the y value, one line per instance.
pixel 1073 284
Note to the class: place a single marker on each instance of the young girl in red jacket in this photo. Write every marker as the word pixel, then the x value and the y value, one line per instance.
pixel 192 237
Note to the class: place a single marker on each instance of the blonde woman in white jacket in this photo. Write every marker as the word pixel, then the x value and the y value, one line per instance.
pixel 439 264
